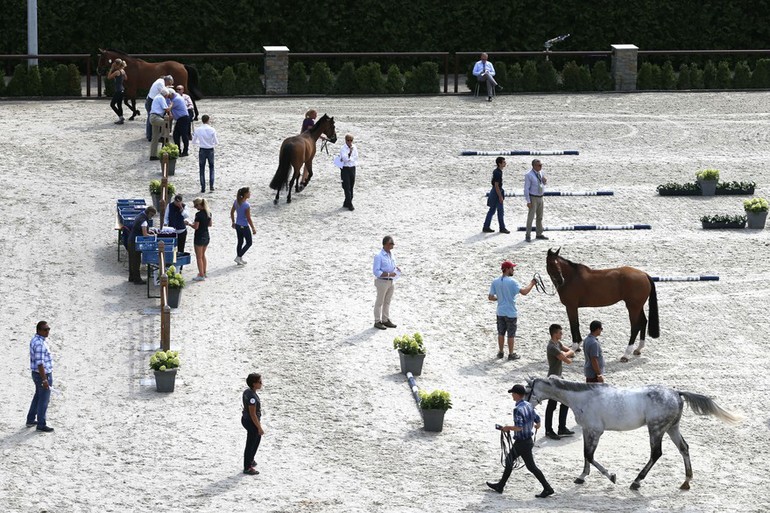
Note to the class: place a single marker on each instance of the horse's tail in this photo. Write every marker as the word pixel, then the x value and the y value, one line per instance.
pixel 192 83
pixel 703 405
pixel 653 327
pixel 281 178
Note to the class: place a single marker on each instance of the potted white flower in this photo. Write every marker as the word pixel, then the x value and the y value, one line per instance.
pixel 155 192
pixel 756 212
pixel 411 353
pixel 165 364
pixel 172 150
pixel 707 180
pixel 175 285
pixel 434 405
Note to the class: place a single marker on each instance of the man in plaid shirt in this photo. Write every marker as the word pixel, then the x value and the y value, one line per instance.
pixel 41 365
pixel 524 418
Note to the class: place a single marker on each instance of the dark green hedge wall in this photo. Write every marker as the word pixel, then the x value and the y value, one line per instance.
pixel 79 26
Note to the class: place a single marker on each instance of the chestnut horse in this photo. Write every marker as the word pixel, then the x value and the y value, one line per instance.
pixel 580 286
pixel 141 74
pixel 296 151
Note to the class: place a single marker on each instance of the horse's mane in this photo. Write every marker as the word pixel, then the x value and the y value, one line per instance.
pixel 570 386
pixel 317 126
pixel 572 264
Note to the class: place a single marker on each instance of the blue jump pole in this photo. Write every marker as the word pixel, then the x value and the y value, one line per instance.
pixel 413 385
pixel 523 153
pixel 685 278
pixel 559 193
pixel 588 227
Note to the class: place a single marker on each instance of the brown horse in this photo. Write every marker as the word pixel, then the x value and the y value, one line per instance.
pixel 141 74
pixel 296 151
pixel 580 286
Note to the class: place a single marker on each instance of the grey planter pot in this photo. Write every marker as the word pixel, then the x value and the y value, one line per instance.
pixel 411 363
pixel 433 420
pixel 171 166
pixel 708 187
pixel 165 380
pixel 756 220
pixel 155 201
pixel 174 297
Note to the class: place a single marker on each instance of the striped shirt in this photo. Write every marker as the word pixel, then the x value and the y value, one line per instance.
pixel 524 416
pixel 39 354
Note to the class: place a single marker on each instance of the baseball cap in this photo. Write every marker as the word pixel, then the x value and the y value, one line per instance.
pixel 508 265
pixel 518 389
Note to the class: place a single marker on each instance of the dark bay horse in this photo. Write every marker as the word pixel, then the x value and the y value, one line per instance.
pixel 296 151
pixel 580 286
pixel 141 74
pixel 600 407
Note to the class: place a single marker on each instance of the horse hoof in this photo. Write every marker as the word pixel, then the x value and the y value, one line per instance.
pixel 612 478
pixel 623 359
pixel 275 202
pixel 580 481
pixel 685 486
pixel 634 485
pixel 288 200
pixel 637 352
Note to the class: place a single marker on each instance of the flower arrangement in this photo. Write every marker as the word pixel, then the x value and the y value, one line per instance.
pixel 708 175
pixel 409 344
pixel 171 149
pixel 755 205
pixel 164 360
pixel 436 400
pixel 155 188
pixel 723 218
pixel 175 279
pixel 693 189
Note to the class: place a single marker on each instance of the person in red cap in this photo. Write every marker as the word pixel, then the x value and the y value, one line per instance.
pixel 504 290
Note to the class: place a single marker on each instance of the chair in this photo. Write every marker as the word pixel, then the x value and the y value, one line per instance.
pixel 484 85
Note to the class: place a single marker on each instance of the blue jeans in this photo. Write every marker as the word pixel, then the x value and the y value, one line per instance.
pixel 148 128
pixel 206 154
pixel 39 404
pixel 244 234
pixel 500 216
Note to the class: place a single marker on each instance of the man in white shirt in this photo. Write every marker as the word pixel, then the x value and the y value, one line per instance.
pixel 534 186
pixel 155 89
pixel 349 159
pixel 484 72
pixel 206 138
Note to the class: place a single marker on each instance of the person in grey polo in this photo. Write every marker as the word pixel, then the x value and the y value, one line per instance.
pixel 594 366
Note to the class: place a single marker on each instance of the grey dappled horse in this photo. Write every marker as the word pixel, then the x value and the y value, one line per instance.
pixel 599 407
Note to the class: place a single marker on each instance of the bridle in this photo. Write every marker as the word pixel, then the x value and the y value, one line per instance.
pixel 540 285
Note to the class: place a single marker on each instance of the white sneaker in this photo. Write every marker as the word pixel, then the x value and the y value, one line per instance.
pixel 198 278
pixel 243 262
pixel 238 261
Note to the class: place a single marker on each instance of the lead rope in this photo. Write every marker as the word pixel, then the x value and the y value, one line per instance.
pixel 540 286
pixel 506 446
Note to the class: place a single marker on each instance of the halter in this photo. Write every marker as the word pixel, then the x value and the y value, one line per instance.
pixel 540 285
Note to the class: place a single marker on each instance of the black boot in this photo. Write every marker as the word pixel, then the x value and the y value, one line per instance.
pixel 498 487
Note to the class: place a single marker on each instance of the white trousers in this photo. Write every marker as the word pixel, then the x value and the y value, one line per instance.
pixel 385 290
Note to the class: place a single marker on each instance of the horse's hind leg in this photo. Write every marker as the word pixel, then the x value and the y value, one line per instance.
pixel 132 106
pixel 684 450
pixel 642 331
pixel 275 201
pixel 291 183
pixel 634 316
pixel 656 450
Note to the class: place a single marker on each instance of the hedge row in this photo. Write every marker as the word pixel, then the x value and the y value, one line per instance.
pixel 711 76
pixel 541 75
pixel 366 79
pixel 63 80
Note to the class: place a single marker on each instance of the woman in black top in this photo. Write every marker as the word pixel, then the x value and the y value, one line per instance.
pixel 201 239
pixel 250 419
pixel 118 72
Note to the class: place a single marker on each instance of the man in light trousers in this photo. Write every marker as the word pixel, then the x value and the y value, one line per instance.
pixel 534 187
pixel 385 273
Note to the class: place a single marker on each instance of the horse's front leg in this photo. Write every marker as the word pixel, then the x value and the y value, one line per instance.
pixel 656 441
pixel 275 201
pixel 132 106
pixel 574 326
pixel 590 442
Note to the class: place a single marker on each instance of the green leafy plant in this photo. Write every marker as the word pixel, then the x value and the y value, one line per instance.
pixel 346 80
pixel 755 205
pixel 297 78
pixel 422 79
pixel 227 82
pixel 684 79
pixel 436 400
pixel 155 186
pixel 601 77
pixel 707 175
pixel 321 80
pixel 171 149
pixel 678 189
pixel 164 360
pixel 394 83
pixel 735 188
pixel 175 279
pixel 409 344
pixel 724 219
pixel 667 76
pixel 742 78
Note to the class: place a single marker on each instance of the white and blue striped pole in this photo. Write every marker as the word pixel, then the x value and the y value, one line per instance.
pixel 413 386
pixel 515 153
pixel 588 227
pixel 560 193
pixel 702 277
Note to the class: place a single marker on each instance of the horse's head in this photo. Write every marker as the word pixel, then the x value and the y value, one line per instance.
pixel 534 391
pixel 327 126
pixel 553 265
pixel 105 61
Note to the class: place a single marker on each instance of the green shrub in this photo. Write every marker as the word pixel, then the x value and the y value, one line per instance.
pixel 17 85
pixel 2 83
pixel 710 75
pixel 760 79
pixel 724 218
pixel 436 400
pixel 516 78
pixel 247 79
pixel 409 344
pixel 422 79
pixel 667 76
pixel 742 78
pixel 602 78
pixel 297 78
pixel 585 82
pixel 61 80
pixel 210 80
pixel 470 78
pixel 109 87
pixel 529 79
pixel 707 175
pixel 369 79
pixel 346 80
pixel 34 86
pixel 501 77
pixel 570 76
pixel 394 83
pixel 321 79
pixel 547 76
pixel 696 77
pixel 73 81
pixel 724 77
pixel 648 77
pixel 227 84
pixel 683 82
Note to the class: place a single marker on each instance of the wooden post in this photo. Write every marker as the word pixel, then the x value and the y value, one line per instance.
pixel 163 190
pixel 165 310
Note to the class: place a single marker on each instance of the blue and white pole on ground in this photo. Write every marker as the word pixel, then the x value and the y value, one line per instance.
pixel 523 153
pixel 702 277
pixel 588 227
pixel 413 386
pixel 559 193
